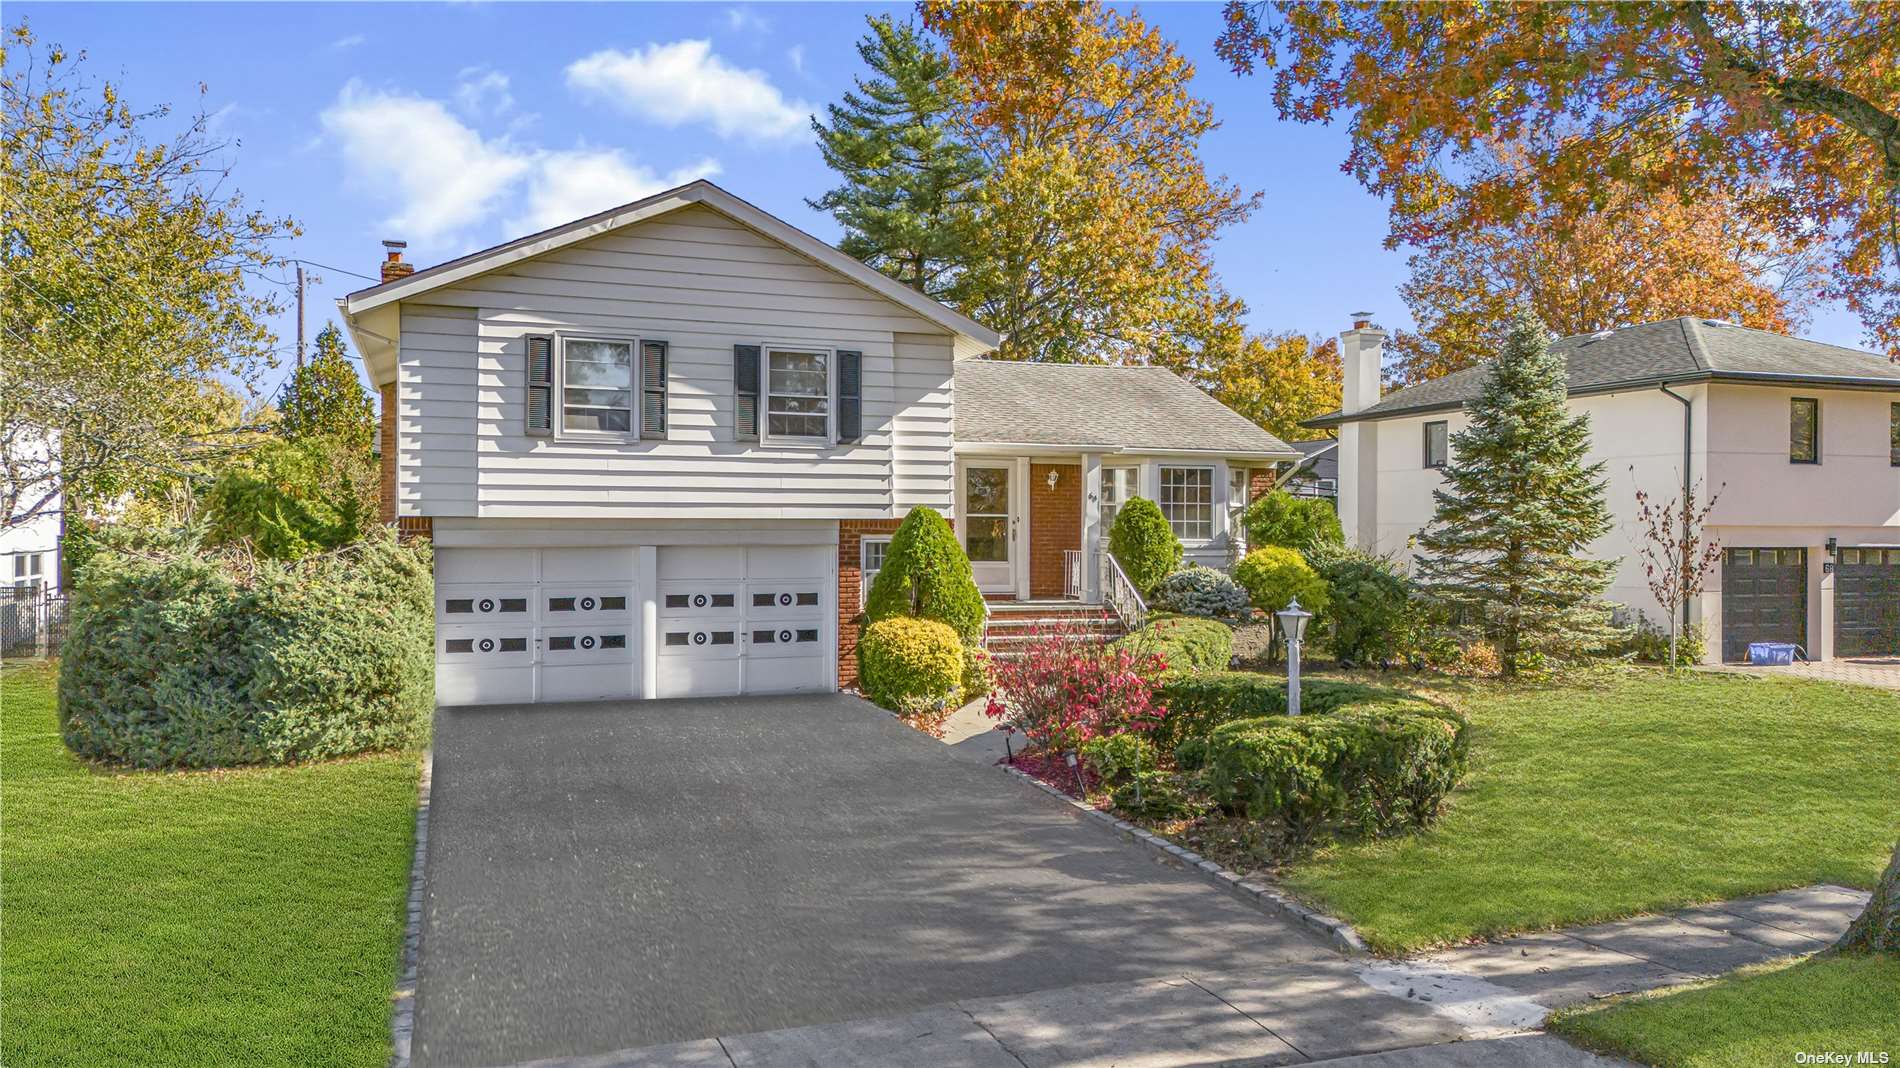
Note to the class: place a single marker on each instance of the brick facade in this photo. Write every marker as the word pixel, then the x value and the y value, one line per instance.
pixel 1259 483
pixel 850 589
pixel 386 446
pixel 1055 525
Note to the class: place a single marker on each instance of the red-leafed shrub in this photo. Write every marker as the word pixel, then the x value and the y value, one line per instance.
pixel 1065 689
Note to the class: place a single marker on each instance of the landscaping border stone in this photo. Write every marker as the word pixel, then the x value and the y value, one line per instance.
pixel 402 1015
pixel 1252 891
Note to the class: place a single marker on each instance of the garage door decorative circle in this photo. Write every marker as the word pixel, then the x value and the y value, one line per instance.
pixel 487 645
pixel 699 637
pixel 587 641
pixel 487 604
pixel 785 635
pixel 699 600
pixel 587 604
pixel 785 599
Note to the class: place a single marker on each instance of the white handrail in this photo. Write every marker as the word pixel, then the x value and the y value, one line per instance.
pixel 1120 594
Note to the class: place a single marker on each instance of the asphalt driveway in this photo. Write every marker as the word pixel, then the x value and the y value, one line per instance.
pixel 608 876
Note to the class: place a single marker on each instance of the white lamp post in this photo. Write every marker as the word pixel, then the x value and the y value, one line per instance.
pixel 1293 621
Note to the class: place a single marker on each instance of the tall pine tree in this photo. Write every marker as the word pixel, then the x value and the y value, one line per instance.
pixel 908 181
pixel 324 397
pixel 1517 506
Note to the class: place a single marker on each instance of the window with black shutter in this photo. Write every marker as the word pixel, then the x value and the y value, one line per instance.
pixel 745 383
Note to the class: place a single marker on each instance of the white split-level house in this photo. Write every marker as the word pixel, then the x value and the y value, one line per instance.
pixel 1800 439
pixel 661 450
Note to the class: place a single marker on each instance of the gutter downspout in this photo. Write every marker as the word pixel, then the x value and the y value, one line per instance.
pixel 1688 439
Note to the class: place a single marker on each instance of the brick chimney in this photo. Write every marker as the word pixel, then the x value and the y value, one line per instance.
pixel 1361 363
pixel 393 267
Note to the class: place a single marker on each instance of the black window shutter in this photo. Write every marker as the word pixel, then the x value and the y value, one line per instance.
pixel 745 384
pixel 653 389
pixel 850 395
pixel 540 385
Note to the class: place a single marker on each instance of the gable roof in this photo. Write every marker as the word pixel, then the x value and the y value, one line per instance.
pixel 1674 350
pixel 1099 408
pixel 699 192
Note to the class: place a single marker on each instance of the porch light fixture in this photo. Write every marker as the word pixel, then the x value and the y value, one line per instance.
pixel 1293 620
pixel 1055 476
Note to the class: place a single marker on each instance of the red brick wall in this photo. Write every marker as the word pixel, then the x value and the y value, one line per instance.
pixel 1259 483
pixel 386 444
pixel 1055 524
pixel 850 586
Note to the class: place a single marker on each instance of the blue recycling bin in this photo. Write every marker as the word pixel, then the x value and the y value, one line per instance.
pixel 1772 654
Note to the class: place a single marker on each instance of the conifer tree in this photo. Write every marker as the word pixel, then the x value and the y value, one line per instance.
pixel 908 180
pixel 1518 504
pixel 324 397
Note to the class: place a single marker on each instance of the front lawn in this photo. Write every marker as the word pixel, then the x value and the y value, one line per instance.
pixel 1630 791
pixel 229 917
pixel 1758 1016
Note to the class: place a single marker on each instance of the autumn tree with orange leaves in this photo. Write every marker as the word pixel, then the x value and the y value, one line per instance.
pixel 1097 218
pixel 1658 106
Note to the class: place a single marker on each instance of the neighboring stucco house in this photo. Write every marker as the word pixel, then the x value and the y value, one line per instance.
pixel 1801 439
pixel 1318 472
pixel 660 451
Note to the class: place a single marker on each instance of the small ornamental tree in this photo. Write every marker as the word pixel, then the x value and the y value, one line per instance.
pixel 1677 557
pixel 1144 544
pixel 1305 524
pixel 325 398
pixel 1275 575
pixel 927 575
pixel 1066 688
pixel 1518 504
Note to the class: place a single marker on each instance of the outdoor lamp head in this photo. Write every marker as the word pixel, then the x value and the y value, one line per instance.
pixel 1293 621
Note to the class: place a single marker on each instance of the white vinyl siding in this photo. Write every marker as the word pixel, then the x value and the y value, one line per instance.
pixel 701 283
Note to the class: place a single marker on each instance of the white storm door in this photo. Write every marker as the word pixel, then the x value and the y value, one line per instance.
pixel 989 525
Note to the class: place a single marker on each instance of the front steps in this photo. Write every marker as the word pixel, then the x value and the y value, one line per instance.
pixel 1013 623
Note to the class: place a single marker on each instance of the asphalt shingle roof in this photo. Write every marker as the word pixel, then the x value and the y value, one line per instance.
pixel 1685 349
pixel 1090 405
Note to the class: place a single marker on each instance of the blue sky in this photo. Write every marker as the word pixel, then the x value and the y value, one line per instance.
pixel 455 126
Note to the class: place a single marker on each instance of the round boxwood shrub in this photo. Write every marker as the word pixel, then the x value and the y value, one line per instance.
pixel 1201 591
pixel 1303 524
pixel 927 575
pixel 1274 576
pixel 1184 643
pixel 904 658
pixel 1144 544
pixel 177 657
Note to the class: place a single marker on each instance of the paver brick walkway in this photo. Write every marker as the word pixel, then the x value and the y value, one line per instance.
pixel 1880 671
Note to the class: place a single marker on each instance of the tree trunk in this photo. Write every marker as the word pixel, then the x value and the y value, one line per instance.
pixel 1878 928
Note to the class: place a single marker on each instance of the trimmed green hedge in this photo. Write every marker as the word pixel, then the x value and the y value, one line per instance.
pixel 1186 643
pixel 1199 703
pixel 1379 768
pixel 178 658
pixel 904 658
pixel 1144 544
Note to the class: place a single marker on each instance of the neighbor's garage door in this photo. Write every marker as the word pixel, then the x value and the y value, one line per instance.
pixel 1764 599
pixel 523 625
pixel 1867 603
pixel 744 619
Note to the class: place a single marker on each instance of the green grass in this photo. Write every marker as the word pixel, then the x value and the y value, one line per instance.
pixel 238 917
pixel 1758 1016
pixel 1631 791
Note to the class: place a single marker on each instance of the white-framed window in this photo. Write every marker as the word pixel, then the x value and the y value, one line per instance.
pixel 28 569
pixel 1118 484
pixel 1437 444
pixel 597 385
pixel 1187 500
pixel 798 394
pixel 871 553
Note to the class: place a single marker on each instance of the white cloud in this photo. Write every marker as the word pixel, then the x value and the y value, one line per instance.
pixel 350 41
pixel 684 82
pixel 796 54
pixel 483 91
pixel 442 175
pixel 746 20
pixel 577 183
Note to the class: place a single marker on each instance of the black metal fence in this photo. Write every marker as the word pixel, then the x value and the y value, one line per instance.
pixel 32 621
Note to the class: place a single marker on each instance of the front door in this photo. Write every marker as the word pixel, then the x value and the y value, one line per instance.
pixel 988 526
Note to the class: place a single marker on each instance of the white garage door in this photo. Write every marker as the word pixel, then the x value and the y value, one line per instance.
pixel 522 625
pixel 744 619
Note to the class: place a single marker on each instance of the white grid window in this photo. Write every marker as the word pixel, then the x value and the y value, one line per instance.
pixel 1118 484
pixel 1187 500
pixel 596 385
pixel 871 553
pixel 798 395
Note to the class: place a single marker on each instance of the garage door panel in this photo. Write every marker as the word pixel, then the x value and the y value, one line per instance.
pixel 1867 602
pixel 693 677
pixel 702 562
pixel 772 600
pixel 604 644
pixel 484 603
pixel 766 562
pixel 486 565
pixel 569 605
pixel 1764 598
pixel 585 565
pixel 699 599
pixel 800 675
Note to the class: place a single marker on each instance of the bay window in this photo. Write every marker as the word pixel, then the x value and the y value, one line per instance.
pixel 1187 501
